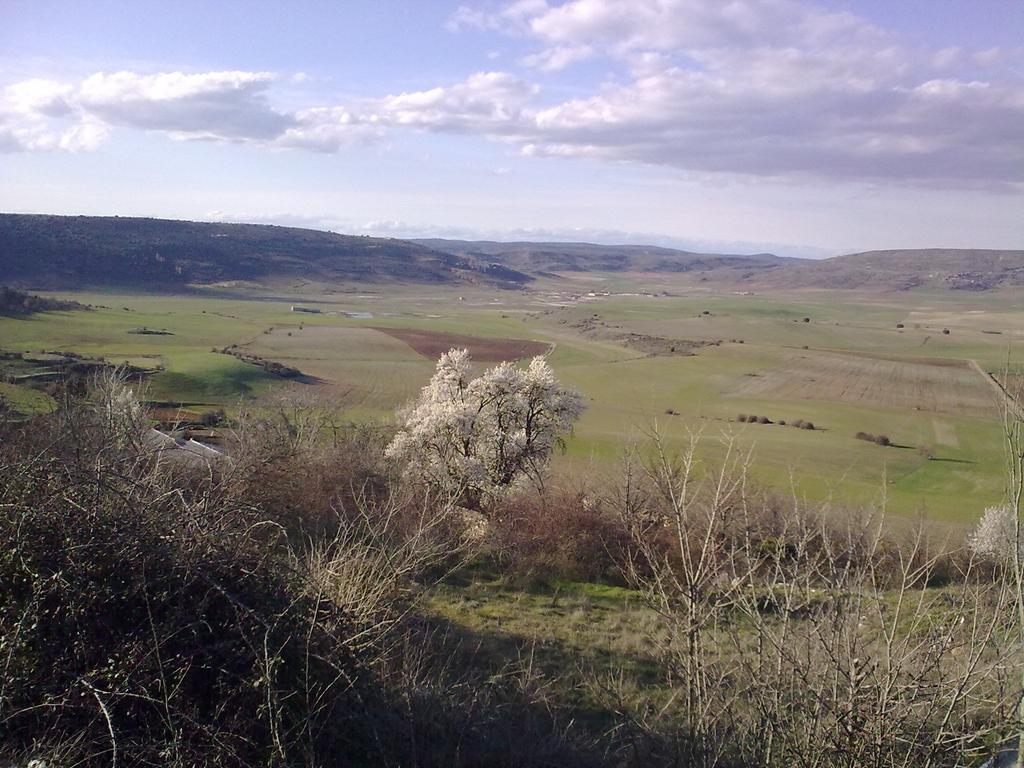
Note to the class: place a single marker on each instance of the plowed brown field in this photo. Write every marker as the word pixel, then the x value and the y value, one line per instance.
pixel 432 344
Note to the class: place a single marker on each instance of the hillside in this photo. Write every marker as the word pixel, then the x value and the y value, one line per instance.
pixel 889 270
pixel 74 251
pixel 589 257
pixel 155 254
pixel 896 270
pixel 19 304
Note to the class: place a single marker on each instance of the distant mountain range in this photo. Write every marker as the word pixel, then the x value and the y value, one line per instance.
pixel 74 251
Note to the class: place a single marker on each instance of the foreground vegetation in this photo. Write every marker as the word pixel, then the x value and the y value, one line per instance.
pixel 305 603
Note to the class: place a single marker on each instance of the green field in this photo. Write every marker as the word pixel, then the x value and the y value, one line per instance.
pixel 848 369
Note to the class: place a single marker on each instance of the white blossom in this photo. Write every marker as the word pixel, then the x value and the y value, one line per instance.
pixel 117 407
pixel 996 533
pixel 474 437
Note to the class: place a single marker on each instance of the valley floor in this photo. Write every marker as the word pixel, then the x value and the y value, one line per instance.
pixel 645 352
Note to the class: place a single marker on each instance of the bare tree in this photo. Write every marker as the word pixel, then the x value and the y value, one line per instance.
pixel 792 638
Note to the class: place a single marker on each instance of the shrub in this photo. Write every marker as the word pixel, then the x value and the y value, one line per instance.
pixel 803 600
pixel 763 420
pixel 865 436
pixel 807 425
pixel 145 622
pixel 883 440
pixel 742 418
pixel 926 451
pixel 557 535
pixel 165 615
pixel 945 331
pixel 799 423
pixel 213 418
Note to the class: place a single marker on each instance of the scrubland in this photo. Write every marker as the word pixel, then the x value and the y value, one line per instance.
pixel 301 603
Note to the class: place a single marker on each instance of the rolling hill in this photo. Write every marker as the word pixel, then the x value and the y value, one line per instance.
pixel 75 251
pixel 900 270
pixel 889 270
pixel 589 257
pixel 42 251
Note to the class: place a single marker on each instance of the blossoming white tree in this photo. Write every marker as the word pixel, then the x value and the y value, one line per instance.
pixel 117 406
pixel 996 534
pixel 474 437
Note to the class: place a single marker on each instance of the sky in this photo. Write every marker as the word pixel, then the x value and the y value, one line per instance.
pixel 805 128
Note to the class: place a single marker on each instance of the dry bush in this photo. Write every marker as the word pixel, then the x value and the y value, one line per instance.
pixel 380 557
pixel 213 418
pixel 293 454
pixel 165 613
pixel 153 614
pixel 154 625
pixel 557 534
pixel 791 639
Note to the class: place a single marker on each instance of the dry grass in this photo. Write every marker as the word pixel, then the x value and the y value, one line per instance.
pixel 860 380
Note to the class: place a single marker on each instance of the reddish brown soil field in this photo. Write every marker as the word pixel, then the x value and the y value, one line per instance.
pixel 433 344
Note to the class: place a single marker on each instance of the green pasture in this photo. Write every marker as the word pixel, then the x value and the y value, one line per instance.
pixel 627 390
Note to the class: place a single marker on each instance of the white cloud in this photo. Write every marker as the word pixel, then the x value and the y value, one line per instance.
pixel 559 57
pixel 490 103
pixel 221 105
pixel 38 115
pixel 666 25
pixel 770 88
pixel 229 106
pixel 748 88
pixel 511 17
pixel 325 129
pixel 46 97
pixel 484 102
pixel 233 106
pixel 84 136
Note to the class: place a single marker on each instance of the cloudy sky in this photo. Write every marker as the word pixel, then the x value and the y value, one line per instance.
pixel 808 127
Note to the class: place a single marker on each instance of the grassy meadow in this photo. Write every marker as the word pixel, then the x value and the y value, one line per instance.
pixel 879 364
